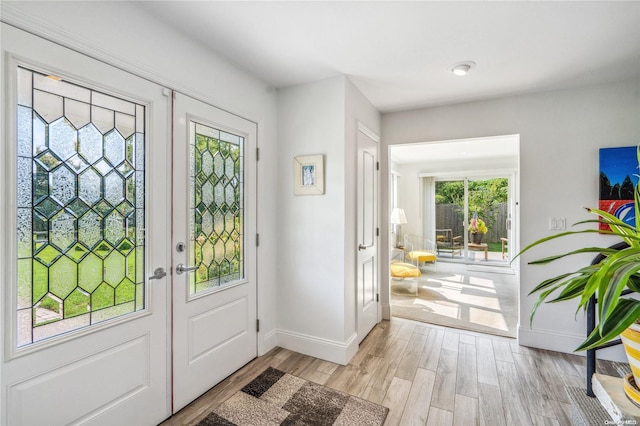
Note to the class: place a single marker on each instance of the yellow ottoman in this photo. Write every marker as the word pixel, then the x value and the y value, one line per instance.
pixel 422 256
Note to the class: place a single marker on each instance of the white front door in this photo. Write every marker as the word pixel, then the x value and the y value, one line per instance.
pixel 214 246
pixel 367 234
pixel 83 225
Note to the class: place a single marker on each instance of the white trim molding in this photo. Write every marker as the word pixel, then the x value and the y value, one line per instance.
pixel 564 343
pixel 329 350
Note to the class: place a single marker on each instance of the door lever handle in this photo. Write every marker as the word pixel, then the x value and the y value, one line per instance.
pixel 158 273
pixel 181 269
pixel 363 247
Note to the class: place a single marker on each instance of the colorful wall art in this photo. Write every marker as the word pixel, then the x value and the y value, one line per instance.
pixel 618 176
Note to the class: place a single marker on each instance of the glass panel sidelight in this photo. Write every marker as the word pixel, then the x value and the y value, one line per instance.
pixel 80 215
pixel 216 208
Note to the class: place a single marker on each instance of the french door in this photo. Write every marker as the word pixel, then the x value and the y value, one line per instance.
pixel 84 235
pixel 122 300
pixel 214 246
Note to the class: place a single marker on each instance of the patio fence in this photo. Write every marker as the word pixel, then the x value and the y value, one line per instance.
pixel 450 216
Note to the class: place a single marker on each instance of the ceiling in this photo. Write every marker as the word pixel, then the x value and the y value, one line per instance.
pixel 399 54
pixel 443 151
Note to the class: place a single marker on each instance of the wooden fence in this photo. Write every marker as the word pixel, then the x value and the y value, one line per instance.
pixel 450 216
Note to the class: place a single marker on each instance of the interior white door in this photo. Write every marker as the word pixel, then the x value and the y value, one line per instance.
pixel 367 211
pixel 214 243
pixel 83 225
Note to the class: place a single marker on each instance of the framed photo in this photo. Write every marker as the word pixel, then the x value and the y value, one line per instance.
pixel 308 175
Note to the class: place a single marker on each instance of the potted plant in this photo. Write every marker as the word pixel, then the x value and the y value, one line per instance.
pixel 478 228
pixel 619 270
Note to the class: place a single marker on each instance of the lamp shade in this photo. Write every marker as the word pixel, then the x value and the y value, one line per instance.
pixel 398 217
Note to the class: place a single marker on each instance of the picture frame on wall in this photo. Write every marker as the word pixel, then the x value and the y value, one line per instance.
pixel 618 178
pixel 308 175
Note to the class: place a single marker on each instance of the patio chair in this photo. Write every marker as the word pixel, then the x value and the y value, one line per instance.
pixel 447 243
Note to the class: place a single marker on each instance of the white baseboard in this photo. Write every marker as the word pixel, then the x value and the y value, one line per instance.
pixel 329 350
pixel 566 343
pixel 268 342
pixel 386 311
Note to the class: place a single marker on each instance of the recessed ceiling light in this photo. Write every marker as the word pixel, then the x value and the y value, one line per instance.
pixel 462 68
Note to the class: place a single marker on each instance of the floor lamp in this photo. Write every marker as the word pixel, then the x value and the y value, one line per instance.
pixel 398 218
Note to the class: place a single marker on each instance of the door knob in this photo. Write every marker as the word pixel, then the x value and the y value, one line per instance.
pixel 181 269
pixel 158 273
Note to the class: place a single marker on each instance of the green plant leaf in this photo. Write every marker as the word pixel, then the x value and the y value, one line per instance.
pixel 603 250
pixel 541 299
pixel 546 283
pixel 634 283
pixel 617 278
pixel 614 275
pixel 573 288
pixel 627 311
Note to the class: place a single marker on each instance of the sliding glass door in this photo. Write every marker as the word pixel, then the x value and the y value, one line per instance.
pixel 472 219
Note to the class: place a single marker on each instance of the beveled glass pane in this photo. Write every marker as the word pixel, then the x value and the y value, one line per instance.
pixel 24 283
pixel 102 118
pixel 78 113
pixel 113 103
pixel 90 143
pixel 25 233
pixel 25 131
pixel 62 185
pixel 25 80
pixel 63 230
pixel 63 139
pixel 114 188
pixel 39 134
pixel 48 106
pixel 61 88
pixel 215 228
pixel 80 215
pixel 140 110
pixel 25 182
pixel 114 147
pixel 125 124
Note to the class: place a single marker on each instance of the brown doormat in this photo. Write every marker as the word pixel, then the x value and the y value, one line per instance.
pixel 278 398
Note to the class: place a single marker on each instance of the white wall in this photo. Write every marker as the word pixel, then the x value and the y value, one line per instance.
pixel 560 134
pixel 317 241
pixel 311 227
pixel 121 34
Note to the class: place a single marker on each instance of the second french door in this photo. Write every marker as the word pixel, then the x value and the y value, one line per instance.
pixel 213 246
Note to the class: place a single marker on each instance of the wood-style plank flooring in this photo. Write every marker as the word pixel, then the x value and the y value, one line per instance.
pixel 431 375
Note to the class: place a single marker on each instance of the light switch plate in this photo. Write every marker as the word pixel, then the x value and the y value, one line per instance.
pixel 557 223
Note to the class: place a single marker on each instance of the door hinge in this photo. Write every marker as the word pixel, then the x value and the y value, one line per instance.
pixel 377 165
pixel 377 232
pixel 257 326
pixel 257 154
pixel 257 240
pixel 377 297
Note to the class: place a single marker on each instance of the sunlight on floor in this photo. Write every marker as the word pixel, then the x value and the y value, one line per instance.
pixel 456 297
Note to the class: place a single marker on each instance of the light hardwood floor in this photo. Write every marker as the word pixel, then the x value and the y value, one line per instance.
pixel 431 375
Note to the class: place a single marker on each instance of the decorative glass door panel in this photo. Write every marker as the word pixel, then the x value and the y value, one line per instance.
pixel 216 207
pixel 80 211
